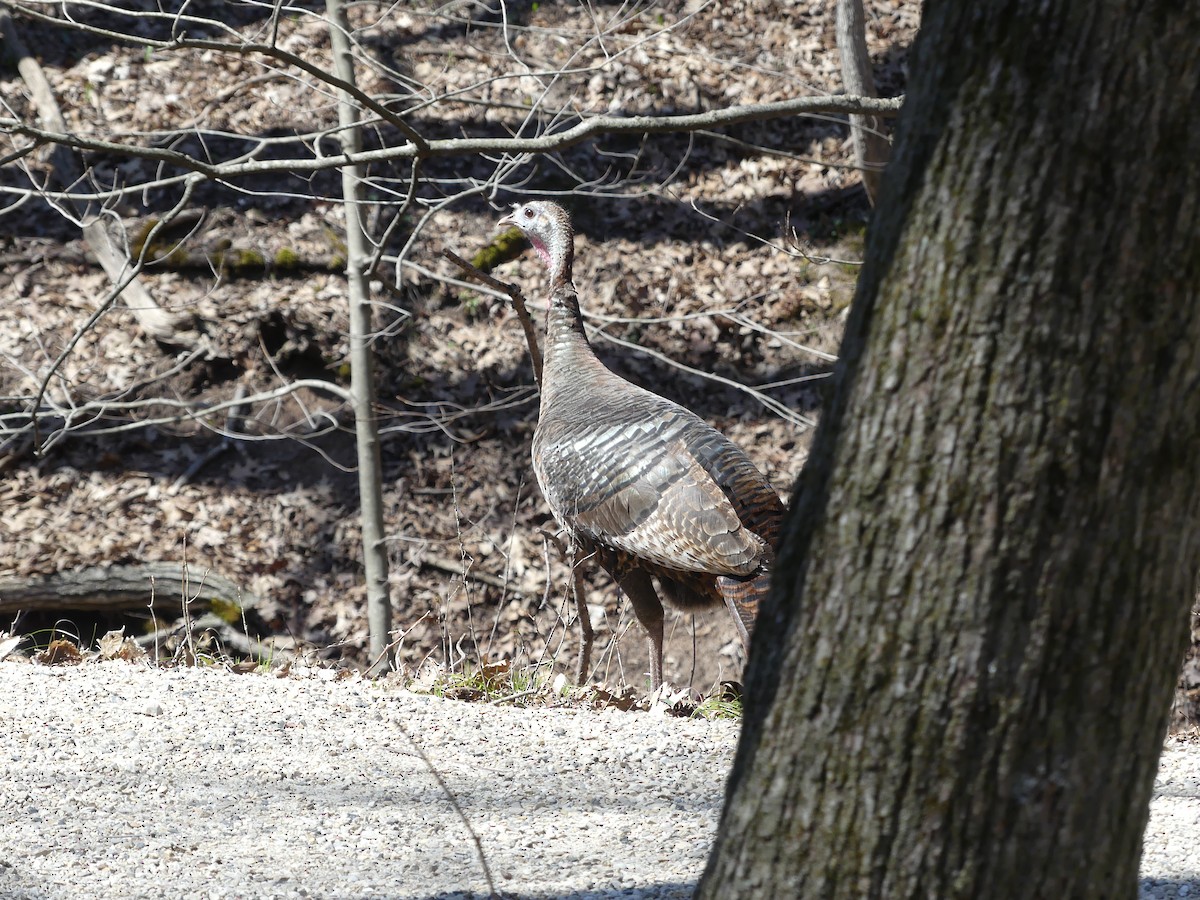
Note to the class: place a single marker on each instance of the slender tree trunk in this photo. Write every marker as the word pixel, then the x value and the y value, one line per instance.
pixel 960 684
pixel 871 147
pixel 362 357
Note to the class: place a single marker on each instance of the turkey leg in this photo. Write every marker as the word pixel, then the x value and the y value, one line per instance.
pixel 649 611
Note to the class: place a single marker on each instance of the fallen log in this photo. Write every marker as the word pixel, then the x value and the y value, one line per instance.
pixel 116 588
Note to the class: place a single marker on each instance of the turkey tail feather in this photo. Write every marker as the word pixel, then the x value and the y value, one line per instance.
pixel 742 596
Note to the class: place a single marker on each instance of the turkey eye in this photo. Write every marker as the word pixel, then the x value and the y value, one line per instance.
pixel 529 213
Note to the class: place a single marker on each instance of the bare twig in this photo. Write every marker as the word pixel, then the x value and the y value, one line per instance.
pixel 780 409
pixel 232 426
pixel 587 635
pixel 226 634
pixel 126 278
pixel 243 48
pixel 455 567
pixel 518 302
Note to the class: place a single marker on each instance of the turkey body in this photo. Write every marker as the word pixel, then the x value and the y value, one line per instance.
pixel 640 483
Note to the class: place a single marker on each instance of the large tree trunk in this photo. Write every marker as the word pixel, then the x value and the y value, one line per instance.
pixel 960 684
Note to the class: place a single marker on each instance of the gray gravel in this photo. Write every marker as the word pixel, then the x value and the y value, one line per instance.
pixel 118 780
pixel 124 781
pixel 1171 848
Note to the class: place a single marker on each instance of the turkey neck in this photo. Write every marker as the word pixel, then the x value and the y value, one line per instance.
pixel 568 359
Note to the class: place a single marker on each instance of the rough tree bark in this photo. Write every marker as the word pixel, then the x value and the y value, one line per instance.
pixel 961 682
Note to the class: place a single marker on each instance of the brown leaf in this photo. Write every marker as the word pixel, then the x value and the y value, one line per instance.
pixel 110 643
pixel 495 673
pixel 470 695
pixel 60 653
pixel 624 699
pixel 131 650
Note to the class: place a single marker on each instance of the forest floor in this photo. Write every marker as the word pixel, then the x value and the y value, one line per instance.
pixel 694 267
pixel 730 256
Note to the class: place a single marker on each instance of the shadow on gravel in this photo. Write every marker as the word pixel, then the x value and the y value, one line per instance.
pixel 1168 889
pixel 1148 889
pixel 663 891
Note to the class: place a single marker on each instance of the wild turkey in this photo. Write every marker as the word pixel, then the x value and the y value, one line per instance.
pixel 641 483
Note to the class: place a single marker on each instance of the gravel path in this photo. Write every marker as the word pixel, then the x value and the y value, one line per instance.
pixel 122 781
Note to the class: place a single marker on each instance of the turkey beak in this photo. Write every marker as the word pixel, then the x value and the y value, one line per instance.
pixel 509 218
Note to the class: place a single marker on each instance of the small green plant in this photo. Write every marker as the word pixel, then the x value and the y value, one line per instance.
pixel 260 665
pixel 719 706
pixel 472 304
pixel 286 260
pixel 241 262
pixel 488 683
pixel 229 611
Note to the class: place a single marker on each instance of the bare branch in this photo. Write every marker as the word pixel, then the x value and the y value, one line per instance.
pixel 124 279
pixel 597 126
pixel 780 409
pixel 871 146
pixel 518 302
pixel 362 355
